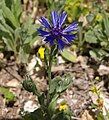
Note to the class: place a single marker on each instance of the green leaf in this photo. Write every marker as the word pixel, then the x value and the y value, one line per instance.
pixel 26 51
pixel 58 116
pixel 90 37
pixel 7 30
pixel 52 105
pixel 64 84
pixel 42 99
pixel 22 58
pixel 18 8
pixel 93 54
pixel 100 116
pixel 17 34
pixel 9 96
pixel 58 84
pixel 2 45
pixel 28 40
pixel 108 2
pixel 107 112
pixel 90 18
pixel 68 55
pixel 9 15
pixel 99 34
pixel 63 115
pixel 8 3
pixel 54 84
pixel 98 54
pixel 9 44
pixel 106 23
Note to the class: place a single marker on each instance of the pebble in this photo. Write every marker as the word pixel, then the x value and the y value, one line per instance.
pixel 29 106
pixel 1 55
pixel 13 83
pixel 103 70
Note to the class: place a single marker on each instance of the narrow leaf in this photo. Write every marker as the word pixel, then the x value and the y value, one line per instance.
pixel 68 55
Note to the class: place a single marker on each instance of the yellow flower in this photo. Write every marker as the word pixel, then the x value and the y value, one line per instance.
pixel 41 52
pixel 62 106
pixel 97 78
pixel 99 18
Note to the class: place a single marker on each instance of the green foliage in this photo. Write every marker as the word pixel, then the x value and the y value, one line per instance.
pixel 93 27
pixel 68 55
pixel 47 108
pixel 30 86
pixel 106 23
pixel 58 85
pixel 9 96
pixel 107 112
pixel 57 5
pixel 17 34
pixel 76 8
pixel 97 37
pixel 62 115
pixel 100 116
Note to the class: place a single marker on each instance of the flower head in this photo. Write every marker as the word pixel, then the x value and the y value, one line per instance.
pixel 41 52
pixel 56 31
pixel 62 106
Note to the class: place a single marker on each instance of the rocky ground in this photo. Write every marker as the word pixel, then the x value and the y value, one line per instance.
pixel 79 96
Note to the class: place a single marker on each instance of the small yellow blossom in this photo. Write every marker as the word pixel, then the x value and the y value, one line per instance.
pixel 97 78
pixel 95 90
pixel 99 18
pixel 62 106
pixel 41 52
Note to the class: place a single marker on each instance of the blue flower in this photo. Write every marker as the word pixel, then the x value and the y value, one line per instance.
pixel 56 31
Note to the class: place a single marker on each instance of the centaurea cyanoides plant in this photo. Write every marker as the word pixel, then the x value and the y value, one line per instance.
pixel 58 37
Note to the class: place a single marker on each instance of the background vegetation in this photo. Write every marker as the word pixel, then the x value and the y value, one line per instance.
pixel 19 37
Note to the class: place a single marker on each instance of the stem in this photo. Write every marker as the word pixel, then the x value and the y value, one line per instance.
pixel 49 68
pixel 53 52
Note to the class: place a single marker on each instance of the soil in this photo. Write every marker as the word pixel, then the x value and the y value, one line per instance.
pixel 78 96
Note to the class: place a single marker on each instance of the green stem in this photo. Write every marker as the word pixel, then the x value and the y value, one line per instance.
pixel 49 68
pixel 53 52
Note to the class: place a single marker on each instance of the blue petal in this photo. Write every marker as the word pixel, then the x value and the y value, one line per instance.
pixel 69 38
pixel 49 39
pixel 61 44
pixel 62 18
pixel 54 16
pixel 43 33
pixel 44 22
pixel 72 27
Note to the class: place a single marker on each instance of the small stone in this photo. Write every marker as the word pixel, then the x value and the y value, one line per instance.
pixel 29 106
pixel 13 83
pixel 103 70
pixel 1 55
pixel 32 64
pixel 61 60
pixel 12 58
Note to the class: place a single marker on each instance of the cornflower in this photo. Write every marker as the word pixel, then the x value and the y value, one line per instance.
pixel 56 30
